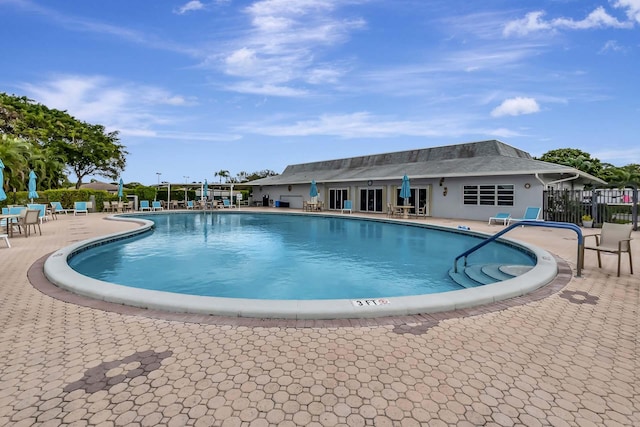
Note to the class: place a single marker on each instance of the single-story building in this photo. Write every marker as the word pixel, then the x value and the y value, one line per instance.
pixel 466 181
pixel 99 185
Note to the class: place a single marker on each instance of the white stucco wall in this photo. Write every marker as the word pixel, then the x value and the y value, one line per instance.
pixel 446 206
pixel 451 205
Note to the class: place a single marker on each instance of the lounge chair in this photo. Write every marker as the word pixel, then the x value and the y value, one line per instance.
pixel 42 216
pixel 227 204
pixel 346 206
pixel 80 207
pixel 614 238
pixel 190 204
pixel 156 206
pixel 500 216
pixel 144 205
pixel 56 208
pixel 531 214
pixel 6 239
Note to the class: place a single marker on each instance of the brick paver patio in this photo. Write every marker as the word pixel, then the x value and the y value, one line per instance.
pixel 568 358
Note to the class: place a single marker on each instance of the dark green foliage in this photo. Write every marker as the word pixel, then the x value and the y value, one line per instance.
pixel 56 141
pixel 575 158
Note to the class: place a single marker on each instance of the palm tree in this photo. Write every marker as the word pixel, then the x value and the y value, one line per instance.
pixel 15 154
pixel 242 176
pixel 222 174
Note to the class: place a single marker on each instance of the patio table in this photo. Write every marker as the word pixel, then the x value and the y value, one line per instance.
pixel 405 210
pixel 8 218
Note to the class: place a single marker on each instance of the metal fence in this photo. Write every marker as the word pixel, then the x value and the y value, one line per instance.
pixel 602 204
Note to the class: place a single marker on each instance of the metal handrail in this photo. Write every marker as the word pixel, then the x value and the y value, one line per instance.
pixel 551 224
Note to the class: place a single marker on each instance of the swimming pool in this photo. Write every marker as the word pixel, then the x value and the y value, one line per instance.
pixel 262 256
pixel 230 257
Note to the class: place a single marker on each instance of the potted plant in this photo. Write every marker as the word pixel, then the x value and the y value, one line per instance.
pixel 587 221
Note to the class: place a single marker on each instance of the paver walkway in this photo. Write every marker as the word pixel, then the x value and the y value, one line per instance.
pixel 568 359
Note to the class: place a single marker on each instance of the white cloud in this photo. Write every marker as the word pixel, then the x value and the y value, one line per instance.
pixel 189 7
pixel 129 108
pixel 516 107
pixel 534 22
pixel 266 89
pixel 366 125
pixel 599 18
pixel 285 44
pixel 530 23
pixel 611 46
pixel 632 8
pixel 241 62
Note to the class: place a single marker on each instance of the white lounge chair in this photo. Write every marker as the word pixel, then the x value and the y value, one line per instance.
pixel 56 208
pixel 531 214
pixel 80 207
pixel 500 216
pixel 144 205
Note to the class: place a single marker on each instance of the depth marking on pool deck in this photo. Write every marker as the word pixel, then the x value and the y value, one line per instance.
pixel 369 302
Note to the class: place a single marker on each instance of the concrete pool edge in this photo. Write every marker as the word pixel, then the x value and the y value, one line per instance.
pixel 57 271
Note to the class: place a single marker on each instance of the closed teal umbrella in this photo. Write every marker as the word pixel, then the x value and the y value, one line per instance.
pixel 120 192
pixel 3 195
pixel 313 190
pixel 33 194
pixel 205 189
pixel 405 190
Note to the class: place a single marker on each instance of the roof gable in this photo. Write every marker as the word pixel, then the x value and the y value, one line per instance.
pixel 449 152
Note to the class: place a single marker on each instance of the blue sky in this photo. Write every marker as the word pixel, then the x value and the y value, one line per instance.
pixel 196 87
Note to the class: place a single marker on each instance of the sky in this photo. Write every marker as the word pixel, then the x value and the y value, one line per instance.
pixel 196 87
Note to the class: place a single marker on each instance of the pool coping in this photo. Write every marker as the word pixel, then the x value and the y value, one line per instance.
pixel 57 271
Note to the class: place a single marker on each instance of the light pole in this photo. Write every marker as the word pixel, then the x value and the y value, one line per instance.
pixel 186 181
pixel 156 196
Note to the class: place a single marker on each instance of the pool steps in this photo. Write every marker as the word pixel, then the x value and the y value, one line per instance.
pixel 475 275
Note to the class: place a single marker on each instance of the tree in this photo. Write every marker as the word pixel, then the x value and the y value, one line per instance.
pixel 62 141
pixel 222 174
pixel 574 158
pixel 15 154
pixel 261 174
pixel 90 150
pixel 621 176
pixel 241 176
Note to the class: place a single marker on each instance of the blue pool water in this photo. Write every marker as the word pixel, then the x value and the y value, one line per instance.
pixel 267 256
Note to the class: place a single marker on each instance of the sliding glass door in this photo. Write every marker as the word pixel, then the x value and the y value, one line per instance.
pixel 337 196
pixel 371 200
pixel 419 199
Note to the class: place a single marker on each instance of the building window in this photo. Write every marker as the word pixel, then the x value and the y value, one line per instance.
pixel 489 195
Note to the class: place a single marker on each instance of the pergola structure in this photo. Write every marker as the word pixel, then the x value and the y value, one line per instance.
pixel 213 189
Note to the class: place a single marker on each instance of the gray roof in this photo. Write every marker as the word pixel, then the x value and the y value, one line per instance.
pixel 99 185
pixel 482 158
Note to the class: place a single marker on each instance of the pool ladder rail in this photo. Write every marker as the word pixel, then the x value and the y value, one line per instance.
pixel 550 224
